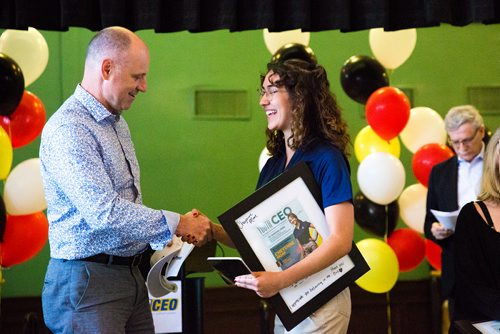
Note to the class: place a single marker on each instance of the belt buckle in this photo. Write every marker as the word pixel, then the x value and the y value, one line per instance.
pixel 136 260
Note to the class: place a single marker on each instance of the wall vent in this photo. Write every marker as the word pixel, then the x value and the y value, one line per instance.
pixel 221 104
pixel 485 98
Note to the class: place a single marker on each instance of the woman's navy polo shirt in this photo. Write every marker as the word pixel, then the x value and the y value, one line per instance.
pixel 329 167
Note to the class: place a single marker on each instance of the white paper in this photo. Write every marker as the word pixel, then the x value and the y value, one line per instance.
pixel 447 219
pixel 488 327
pixel 171 256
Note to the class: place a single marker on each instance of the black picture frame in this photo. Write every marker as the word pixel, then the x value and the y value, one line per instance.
pixel 256 232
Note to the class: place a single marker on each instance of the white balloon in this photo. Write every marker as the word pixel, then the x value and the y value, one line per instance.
pixel 425 126
pixel 412 206
pixel 29 50
pixel 381 177
pixel 275 40
pixel 264 156
pixel 23 192
pixel 392 48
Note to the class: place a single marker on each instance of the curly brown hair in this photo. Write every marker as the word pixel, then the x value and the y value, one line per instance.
pixel 315 112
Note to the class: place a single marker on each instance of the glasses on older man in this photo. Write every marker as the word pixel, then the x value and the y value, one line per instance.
pixel 464 142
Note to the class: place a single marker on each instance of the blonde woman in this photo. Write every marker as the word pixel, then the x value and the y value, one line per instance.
pixel 477 246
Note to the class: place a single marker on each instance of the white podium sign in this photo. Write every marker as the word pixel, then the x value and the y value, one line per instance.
pixel 167 311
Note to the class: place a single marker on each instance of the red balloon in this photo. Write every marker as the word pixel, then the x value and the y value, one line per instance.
pixel 409 247
pixel 427 157
pixel 26 122
pixel 433 254
pixel 387 111
pixel 24 237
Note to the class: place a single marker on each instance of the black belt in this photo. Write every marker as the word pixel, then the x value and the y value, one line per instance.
pixel 114 259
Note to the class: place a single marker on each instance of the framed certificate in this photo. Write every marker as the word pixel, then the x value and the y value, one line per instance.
pixel 279 225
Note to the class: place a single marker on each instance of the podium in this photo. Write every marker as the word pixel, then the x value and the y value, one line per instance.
pixel 191 288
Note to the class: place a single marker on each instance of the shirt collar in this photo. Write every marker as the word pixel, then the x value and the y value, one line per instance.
pixel 96 108
pixel 479 157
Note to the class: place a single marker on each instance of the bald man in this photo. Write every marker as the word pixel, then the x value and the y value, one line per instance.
pixel 98 226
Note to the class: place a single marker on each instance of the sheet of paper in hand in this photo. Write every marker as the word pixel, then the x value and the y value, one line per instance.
pixel 447 219
pixel 261 228
pixel 167 263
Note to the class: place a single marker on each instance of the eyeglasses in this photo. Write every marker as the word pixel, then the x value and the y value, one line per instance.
pixel 268 93
pixel 464 142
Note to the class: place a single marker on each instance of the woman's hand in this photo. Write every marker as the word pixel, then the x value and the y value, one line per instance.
pixel 265 283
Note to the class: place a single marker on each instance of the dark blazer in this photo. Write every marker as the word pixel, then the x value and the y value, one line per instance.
pixel 442 195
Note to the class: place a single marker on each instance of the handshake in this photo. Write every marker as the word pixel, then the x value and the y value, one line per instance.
pixel 195 228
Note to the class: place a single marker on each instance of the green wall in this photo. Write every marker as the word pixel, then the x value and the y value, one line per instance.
pixel 212 164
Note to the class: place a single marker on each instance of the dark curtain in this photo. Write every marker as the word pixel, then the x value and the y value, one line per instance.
pixel 238 15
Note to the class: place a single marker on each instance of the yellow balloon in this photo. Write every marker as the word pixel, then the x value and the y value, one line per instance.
pixel 368 142
pixel 383 263
pixel 5 154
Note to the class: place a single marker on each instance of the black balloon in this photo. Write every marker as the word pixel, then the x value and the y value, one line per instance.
pixel 360 76
pixel 375 218
pixel 11 85
pixel 294 51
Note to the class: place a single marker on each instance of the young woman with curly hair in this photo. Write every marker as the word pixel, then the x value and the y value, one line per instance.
pixel 304 123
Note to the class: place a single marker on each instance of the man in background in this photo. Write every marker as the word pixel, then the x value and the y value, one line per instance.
pixel 453 183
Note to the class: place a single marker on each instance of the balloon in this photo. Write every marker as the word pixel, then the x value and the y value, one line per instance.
pixel 409 247
pixel 27 122
pixel 360 76
pixel 264 156
pixel 275 40
pixel 381 177
pixel 374 218
pixel 12 84
pixel 412 205
pixel 3 218
pixel 29 49
pixel 383 263
pixel 294 51
pixel 23 192
pixel 425 126
pixel 433 254
pixel 392 48
pixel 388 111
pixel 6 154
pixel 427 157
pixel 367 142
pixel 24 237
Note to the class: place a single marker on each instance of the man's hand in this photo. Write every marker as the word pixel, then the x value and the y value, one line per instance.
pixel 194 228
pixel 439 231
